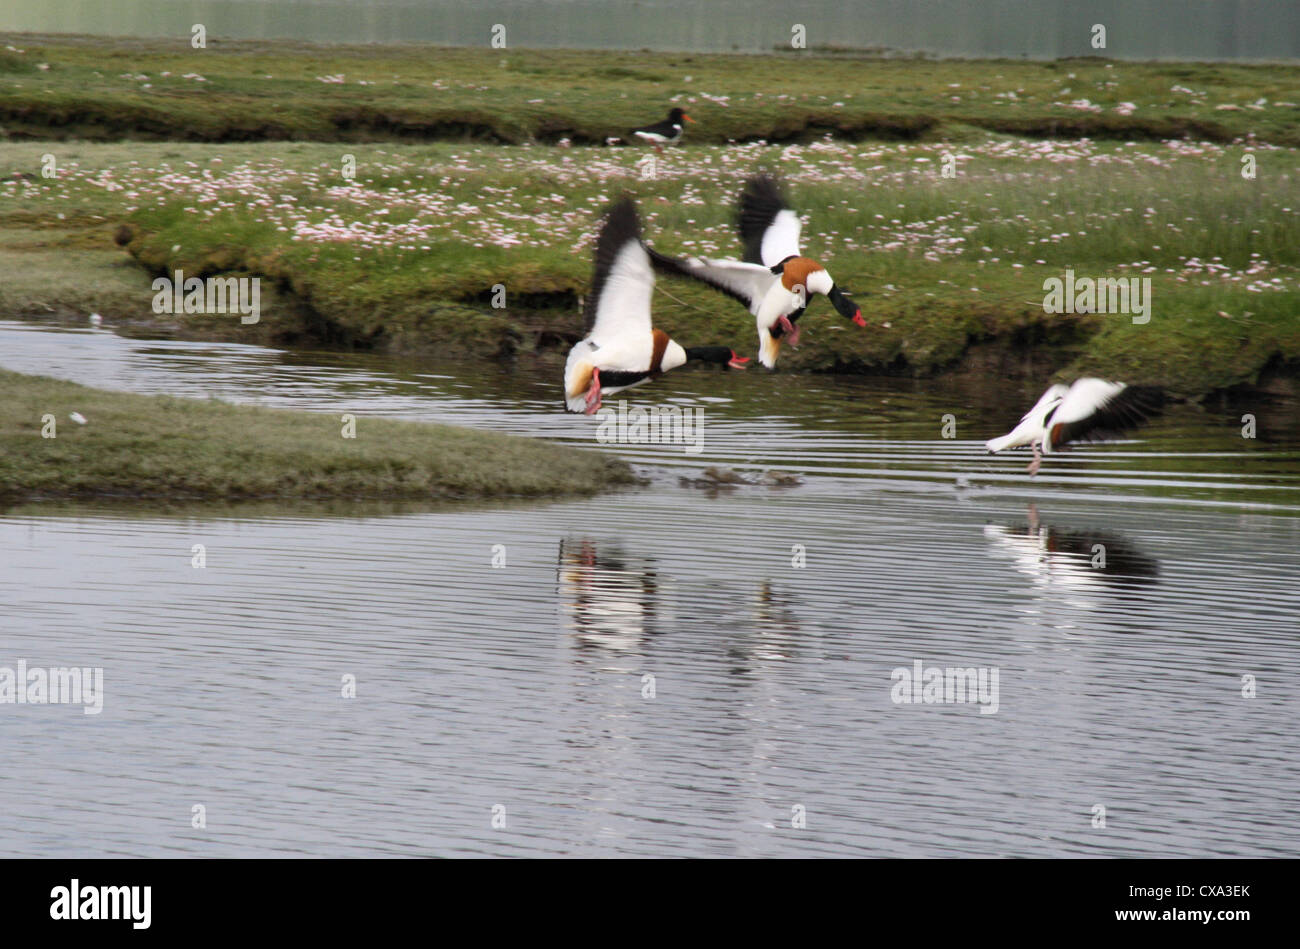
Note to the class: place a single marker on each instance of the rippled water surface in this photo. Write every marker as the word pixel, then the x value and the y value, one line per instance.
pixel 771 620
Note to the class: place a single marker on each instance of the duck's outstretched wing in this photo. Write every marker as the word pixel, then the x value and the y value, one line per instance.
pixel 618 307
pixel 1053 393
pixel 769 229
pixel 1095 410
pixel 738 280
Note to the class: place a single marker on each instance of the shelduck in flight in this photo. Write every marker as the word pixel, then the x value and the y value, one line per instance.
pixel 667 132
pixel 773 280
pixel 621 348
pixel 1088 410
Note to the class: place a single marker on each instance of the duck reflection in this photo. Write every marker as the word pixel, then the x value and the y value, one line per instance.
pixel 772 610
pixel 1074 557
pixel 772 630
pixel 610 599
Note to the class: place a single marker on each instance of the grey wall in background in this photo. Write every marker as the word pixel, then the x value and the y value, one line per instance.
pixel 1136 29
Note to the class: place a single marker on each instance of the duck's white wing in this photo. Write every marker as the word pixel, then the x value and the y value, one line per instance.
pixel 1030 428
pixel 769 229
pixel 618 309
pixel 1085 397
pixel 737 279
pixel 1052 394
pixel 781 240
pixel 1094 409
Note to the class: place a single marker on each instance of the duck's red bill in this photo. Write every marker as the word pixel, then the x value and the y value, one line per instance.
pixel 738 362
pixel 857 318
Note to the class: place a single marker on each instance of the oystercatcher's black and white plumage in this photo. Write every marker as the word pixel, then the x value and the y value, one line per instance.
pixel 1088 410
pixel 621 348
pixel 774 280
pixel 667 132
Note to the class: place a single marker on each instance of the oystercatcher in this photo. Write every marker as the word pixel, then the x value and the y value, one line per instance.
pixel 667 132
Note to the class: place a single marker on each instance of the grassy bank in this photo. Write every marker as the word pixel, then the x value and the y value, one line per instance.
pixel 83 87
pixel 949 271
pixel 404 254
pixel 152 447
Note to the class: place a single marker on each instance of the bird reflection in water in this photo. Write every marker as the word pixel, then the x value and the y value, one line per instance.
pixel 1077 558
pixel 773 630
pixel 610 599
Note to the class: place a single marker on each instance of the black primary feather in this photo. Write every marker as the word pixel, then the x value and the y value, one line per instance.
pixel 675 266
pixel 1127 409
pixel 621 225
pixel 760 203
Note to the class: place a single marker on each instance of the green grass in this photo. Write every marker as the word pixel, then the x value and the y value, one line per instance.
pixel 910 243
pixel 949 271
pixel 260 90
pixel 61 271
pixel 170 449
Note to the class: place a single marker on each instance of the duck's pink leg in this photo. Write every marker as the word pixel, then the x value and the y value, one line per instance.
pixel 593 393
pixel 791 331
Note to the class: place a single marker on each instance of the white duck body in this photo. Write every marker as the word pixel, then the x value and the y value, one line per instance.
pixel 785 298
pixel 1032 424
pixel 588 355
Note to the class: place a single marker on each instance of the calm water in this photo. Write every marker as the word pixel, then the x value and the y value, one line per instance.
pixel 522 686
pixel 1136 29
